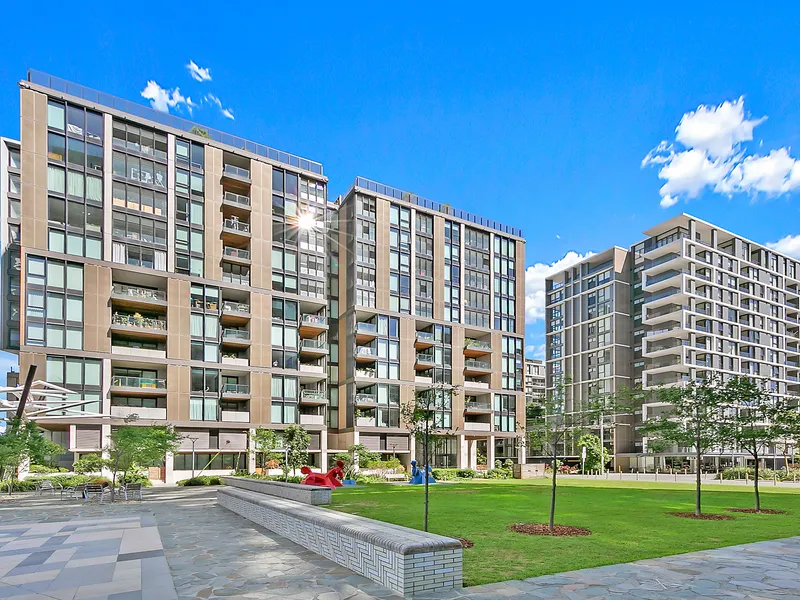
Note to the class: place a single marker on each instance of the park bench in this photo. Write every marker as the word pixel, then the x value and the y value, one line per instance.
pixel 47 486
pixel 134 489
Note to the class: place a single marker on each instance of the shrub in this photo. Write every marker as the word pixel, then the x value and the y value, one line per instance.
pixel 135 477
pixel 91 463
pixel 44 469
pixel 763 474
pixel 498 474
pixel 466 473
pixel 453 474
pixel 290 479
pixel 367 479
pixel 201 480
pixel 68 480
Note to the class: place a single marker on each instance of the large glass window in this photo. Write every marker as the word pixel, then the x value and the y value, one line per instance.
pixel 54 303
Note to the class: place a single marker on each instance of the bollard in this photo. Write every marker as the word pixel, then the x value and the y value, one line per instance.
pixel 774 480
pixel 656 478
pixel 676 476
pixel 637 475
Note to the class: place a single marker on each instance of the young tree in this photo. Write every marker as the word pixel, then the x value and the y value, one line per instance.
pixel 423 417
pixel 550 427
pixel 265 441
pixel 693 420
pixel 753 420
pixel 91 463
pixel 296 441
pixel 131 445
pixel 22 441
pixel 596 454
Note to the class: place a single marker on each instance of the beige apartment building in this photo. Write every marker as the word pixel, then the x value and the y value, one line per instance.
pixel 428 294
pixel 689 300
pixel 535 380
pixel 168 271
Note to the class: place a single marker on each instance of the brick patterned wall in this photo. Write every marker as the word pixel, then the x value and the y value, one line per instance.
pixel 407 574
pixel 306 494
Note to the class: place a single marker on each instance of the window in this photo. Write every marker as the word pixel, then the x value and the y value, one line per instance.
pixel 204 395
pixel 55 115
pixel 82 376
pixel 54 306
pixel 505 406
pixel 284 395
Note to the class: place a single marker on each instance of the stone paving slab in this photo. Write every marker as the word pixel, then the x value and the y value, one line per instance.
pixel 759 571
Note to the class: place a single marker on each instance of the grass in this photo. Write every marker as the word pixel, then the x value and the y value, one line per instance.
pixel 628 520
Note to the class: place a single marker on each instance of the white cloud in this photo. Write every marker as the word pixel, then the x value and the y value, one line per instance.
pixel 718 130
pixel 535 276
pixel 535 351
pixel 162 99
pixel 198 73
pixel 226 112
pixel 712 157
pixel 788 245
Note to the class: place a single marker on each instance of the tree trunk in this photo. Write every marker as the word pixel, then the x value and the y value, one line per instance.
pixel 755 483
pixel 697 508
pixel 553 493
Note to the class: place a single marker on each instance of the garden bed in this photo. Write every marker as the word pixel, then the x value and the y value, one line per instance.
pixel 702 517
pixel 544 529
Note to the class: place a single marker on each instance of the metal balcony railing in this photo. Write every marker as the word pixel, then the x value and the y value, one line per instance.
pixel 477 405
pixel 236 334
pixel 236 171
pixel 236 225
pixel 368 328
pixel 239 307
pixel 138 321
pixel 237 253
pixel 237 198
pixel 138 292
pixel 312 395
pixel 365 399
pixel 366 351
pixel 138 382
pixel 477 345
pixel 425 336
pixel 477 364
pixel 235 388
pixel 426 359
pixel 314 320
pixel 312 345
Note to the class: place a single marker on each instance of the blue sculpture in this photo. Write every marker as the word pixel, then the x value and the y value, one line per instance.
pixel 417 477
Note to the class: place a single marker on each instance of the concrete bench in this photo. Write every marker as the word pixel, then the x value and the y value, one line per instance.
pixel 396 477
pixel 404 560
pixel 307 494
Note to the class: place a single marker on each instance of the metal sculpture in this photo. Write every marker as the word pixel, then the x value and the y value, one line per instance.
pixel 417 476
pixel 332 479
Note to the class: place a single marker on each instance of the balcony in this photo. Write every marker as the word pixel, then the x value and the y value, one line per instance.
pixel 366 354
pixel 235 391
pixel 365 400
pixel 474 348
pixel 424 339
pixel 477 426
pixel 366 332
pixel 365 372
pixel 654 283
pixel 235 173
pixel 133 297
pixel 236 337
pixel 312 419
pixel 310 372
pixel 652 349
pixel 313 398
pixel 477 407
pixel 236 255
pixel 235 360
pixel 234 229
pixel 235 313
pixel 477 367
pixel 235 416
pixel 138 386
pixel 312 325
pixel 365 421
pixel 311 347
pixel 661 297
pixel 236 202
pixel 475 384
pixel 424 362
pixel 143 413
pixel 144 327
pixel 423 380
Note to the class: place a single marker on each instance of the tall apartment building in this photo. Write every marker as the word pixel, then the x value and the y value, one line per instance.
pixel 10 193
pixel 689 300
pixel 180 274
pixel 427 294
pixel 535 380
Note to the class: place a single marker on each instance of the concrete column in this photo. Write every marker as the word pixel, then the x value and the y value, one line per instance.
pixel 521 455
pixel 463 454
pixel 169 468
pixel 490 452
pixel 323 456
pixel 473 454
pixel 251 455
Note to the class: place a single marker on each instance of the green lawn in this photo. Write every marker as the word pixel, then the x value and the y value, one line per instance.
pixel 628 520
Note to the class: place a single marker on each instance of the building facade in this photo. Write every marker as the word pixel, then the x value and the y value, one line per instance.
pixel 427 295
pixel 535 380
pixel 168 272
pixel 689 300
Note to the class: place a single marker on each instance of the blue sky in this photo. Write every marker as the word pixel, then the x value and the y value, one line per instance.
pixel 531 116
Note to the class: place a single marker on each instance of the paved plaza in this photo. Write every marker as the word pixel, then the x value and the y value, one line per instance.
pixel 178 544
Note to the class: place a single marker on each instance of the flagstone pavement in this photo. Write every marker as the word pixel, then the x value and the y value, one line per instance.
pixel 179 545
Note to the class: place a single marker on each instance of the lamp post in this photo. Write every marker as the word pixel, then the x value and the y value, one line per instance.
pixel 194 441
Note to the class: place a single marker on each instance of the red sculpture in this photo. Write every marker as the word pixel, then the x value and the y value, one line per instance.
pixel 332 479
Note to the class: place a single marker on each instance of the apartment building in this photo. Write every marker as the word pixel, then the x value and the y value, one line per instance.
pixel 169 272
pixel 428 294
pixel 10 193
pixel 535 381
pixel 689 300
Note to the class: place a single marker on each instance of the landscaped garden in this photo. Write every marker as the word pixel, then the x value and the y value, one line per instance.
pixel 628 520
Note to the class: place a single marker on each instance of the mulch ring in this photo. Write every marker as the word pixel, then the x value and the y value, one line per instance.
pixel 702 517
pixel 465 543
pixel 543 529
pixel 753 511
